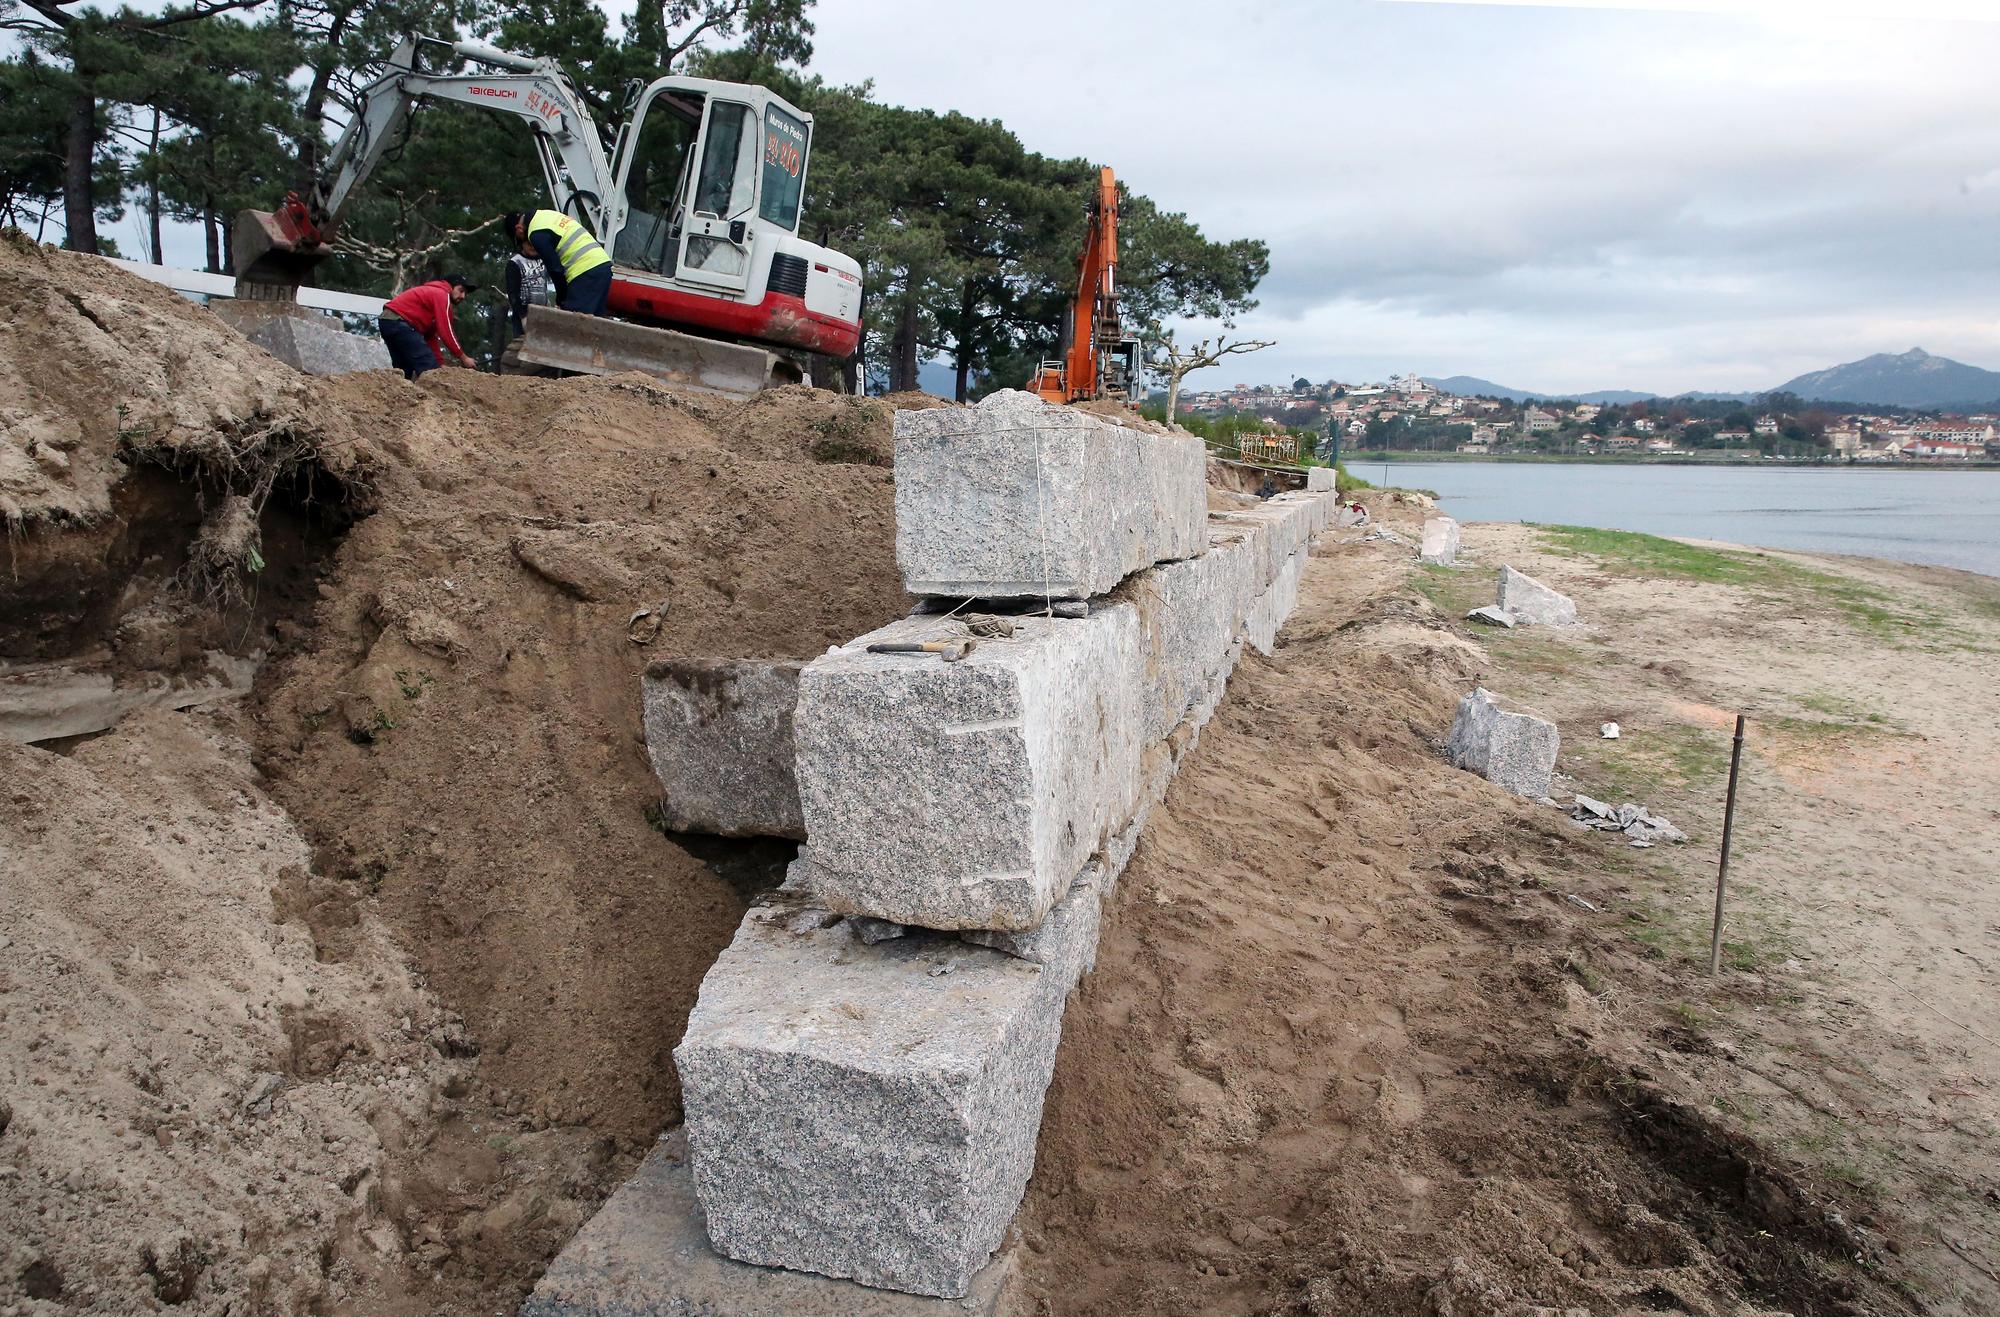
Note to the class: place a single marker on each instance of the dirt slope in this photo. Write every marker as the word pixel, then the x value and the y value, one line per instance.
pixel 171 1029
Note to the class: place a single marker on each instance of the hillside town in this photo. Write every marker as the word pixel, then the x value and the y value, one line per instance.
pixel 1408 414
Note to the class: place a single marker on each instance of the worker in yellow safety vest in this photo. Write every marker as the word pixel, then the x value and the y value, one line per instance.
pixel 579 270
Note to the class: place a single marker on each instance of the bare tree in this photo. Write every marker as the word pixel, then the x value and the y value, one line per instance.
pixel 1173 363
pixel 398 262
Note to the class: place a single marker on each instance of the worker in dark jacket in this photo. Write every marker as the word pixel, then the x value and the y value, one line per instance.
pixel 577 264
pixel 527 285
pixel 416 324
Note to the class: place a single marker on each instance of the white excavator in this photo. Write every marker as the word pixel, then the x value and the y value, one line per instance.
pixel 698 204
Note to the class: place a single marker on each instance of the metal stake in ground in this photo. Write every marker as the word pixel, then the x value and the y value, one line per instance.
pixel 1722 871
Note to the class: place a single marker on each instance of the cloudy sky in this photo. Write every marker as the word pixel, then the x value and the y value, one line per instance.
pixel 1555 198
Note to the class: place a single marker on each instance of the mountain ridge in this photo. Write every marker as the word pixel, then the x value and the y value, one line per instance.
pixel 1908 379
pixel 1915 379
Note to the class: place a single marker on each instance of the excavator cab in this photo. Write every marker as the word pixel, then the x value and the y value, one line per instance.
pixel 708 182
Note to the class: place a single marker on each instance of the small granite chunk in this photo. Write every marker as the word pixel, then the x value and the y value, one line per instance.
pixel 719 734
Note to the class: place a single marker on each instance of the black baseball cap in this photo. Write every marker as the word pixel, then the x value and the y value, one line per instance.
pixel 509 220
pixel 460 281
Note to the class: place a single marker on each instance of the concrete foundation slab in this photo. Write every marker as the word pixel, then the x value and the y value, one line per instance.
pixel 646 1253
pixel 719 734
pixel 870 1112
pixel 1513 750
pixel 1016 498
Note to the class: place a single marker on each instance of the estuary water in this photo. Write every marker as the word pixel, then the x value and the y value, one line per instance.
pixel 1940 517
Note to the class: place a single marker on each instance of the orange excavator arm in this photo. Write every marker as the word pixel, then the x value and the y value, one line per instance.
pixel 1093 326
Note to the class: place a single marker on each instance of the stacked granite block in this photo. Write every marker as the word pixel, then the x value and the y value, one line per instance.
pixel 863 1073
pixel 1018 499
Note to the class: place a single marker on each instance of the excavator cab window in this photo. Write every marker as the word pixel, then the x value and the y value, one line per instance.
pixel 727 164
pixel 785 143
pixel 658 164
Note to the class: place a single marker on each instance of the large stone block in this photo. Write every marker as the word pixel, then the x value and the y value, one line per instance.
pixel 646 1253
pixel 1319 479
pixel 302 338
pixel 1269 614
pixel 719 733
pixel 969 794
pixel 1513 750
pixel 1533 604
pixel 1189 613
pixel 1016 498
pixel 1440 546
pixel 864 1111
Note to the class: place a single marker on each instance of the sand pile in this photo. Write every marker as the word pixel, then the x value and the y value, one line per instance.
pixel 413 877
pixel 200 1065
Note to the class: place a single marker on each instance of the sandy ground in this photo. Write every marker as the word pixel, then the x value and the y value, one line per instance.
pixel 1368 1035
pixel 1863 1000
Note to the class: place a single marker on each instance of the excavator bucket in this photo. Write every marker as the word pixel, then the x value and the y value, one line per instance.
pixel 266 250
pixel 594 345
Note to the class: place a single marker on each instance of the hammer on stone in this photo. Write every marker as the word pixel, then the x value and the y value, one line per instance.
pixel 951 651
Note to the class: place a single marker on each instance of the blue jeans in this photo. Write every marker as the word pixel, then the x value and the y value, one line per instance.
pixel 407 350
pixel 589 291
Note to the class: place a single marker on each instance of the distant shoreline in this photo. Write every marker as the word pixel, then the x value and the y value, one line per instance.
pixel 1351 458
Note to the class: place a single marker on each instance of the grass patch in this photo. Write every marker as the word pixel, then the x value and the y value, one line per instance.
pixel 1818 731
pixel 1452 591
pixel 1631 553
pixel 1524 650
pixel 1835 706
pixel 1689 1016
pixel 1863 606
pixel 1645 763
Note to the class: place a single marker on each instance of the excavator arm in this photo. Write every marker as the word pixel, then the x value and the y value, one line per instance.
pixel 280 247
pixel 1092 336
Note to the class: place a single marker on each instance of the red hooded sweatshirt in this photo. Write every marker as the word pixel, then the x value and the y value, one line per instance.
pixel 427 309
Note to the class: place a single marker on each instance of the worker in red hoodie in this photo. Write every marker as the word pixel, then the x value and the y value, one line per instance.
pixel 416 324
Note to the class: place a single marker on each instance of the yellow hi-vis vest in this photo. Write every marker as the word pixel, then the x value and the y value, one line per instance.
pixel 574 245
